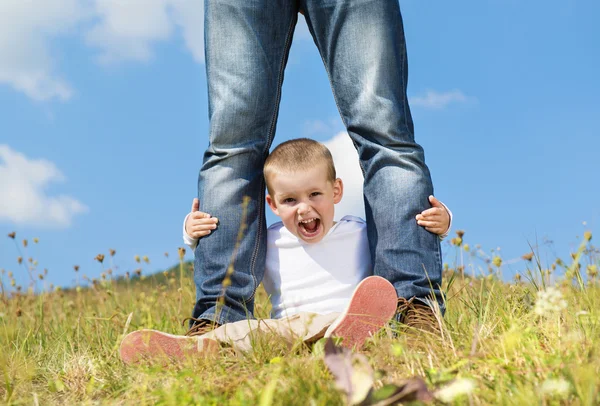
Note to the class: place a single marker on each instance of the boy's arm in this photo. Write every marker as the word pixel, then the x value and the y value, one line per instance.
pixel 437 219
pixel 197 225
pixel 187 239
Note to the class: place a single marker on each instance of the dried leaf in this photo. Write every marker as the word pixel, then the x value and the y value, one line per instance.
pixel 407 391
pixel 352 372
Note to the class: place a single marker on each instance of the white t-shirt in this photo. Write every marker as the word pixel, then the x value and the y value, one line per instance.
pixel 316 278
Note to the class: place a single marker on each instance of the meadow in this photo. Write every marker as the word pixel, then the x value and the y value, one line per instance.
pixel 534 340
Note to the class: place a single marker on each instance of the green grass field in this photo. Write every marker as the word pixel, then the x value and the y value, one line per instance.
pixel 534 341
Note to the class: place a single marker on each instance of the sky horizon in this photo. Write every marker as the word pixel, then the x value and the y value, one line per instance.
pixel 104 121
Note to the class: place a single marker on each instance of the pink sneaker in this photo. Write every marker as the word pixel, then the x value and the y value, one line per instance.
pixel 372 306
pixel 155 345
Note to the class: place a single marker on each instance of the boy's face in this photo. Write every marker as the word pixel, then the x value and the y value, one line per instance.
pixel 304 200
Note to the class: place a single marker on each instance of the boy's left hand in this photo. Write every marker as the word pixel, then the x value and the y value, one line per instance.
pixel 436 219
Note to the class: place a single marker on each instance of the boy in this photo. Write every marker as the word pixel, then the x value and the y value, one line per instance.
pixel 317 270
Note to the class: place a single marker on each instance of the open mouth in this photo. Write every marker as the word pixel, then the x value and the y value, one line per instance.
pixel 309 228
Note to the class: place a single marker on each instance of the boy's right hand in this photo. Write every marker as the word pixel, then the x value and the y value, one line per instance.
pixel 199 224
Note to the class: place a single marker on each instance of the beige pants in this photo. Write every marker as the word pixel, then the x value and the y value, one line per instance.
pixel 308 327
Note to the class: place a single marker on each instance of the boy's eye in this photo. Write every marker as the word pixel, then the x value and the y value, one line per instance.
pixel 288 200
pixel 315 194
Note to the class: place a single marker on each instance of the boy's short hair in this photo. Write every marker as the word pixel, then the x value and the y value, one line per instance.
pixel 298 154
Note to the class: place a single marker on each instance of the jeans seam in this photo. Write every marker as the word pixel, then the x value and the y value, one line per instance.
pixel 270 135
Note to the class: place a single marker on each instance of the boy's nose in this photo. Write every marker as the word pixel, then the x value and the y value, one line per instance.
pixel 303 208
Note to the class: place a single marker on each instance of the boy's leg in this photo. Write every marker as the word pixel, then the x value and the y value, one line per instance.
pixel 153 345
pixel 372 306
pixel 241 335
pixel 363 48
pixel 246 45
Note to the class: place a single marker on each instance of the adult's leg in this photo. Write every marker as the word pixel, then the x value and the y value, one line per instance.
pixel 363 48
pixel 246 46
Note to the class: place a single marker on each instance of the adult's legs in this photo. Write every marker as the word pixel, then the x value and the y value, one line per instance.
pixel 363 48
pixel 246 46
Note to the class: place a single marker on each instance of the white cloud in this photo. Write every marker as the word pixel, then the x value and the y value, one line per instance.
pixel 25 47
pixel 332 125
pixel 127 29
pixel 120 30
pixel 348 169
pixel 436 100
pixel 190 16
pixel 24 200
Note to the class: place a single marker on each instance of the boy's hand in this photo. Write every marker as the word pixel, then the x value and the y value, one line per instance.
pixel 436 219
pixel 199 224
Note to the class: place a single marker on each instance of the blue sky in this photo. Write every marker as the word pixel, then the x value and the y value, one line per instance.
pixel 103 122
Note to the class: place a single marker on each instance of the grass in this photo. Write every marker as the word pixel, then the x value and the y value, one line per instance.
pixel 511 344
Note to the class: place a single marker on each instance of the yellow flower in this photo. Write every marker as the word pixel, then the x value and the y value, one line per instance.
pixel 497 261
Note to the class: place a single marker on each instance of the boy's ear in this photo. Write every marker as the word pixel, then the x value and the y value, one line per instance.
pixel 272 205
pixel 338 190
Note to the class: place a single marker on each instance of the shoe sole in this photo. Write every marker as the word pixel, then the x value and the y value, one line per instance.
pixel 372 306
pixel 153 345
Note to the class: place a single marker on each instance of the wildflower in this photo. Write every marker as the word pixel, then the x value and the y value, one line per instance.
pixel 460 233
pixel 20 260
pixel 527 257
pixel 592 271
pixel 99 258
pixel 137 259
pixel 587 235
pixel 10 274
pixel 112 252
pixel 456 388
pixel 456 241
pixel 518 277
pixel 466 247
pixel 145 259
pixel 556 387
pixel 167 254
pixel 36 240
pixel 497 261
pixel 138 271
pixel 12 235
pixel 397 349
pixel 76 268
pixel 549 301
pixel 25 243
pixel 181 251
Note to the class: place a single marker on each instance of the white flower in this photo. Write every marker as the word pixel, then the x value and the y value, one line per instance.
pixel 556 387
pixel 458 387
pixel 549 301
pixel 2 315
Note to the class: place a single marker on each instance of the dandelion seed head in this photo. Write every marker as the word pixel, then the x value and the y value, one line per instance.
pixel 549 301
pixel 456 388
pixel 556 387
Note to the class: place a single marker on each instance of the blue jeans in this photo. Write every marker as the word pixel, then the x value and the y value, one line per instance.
pixel 363 49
